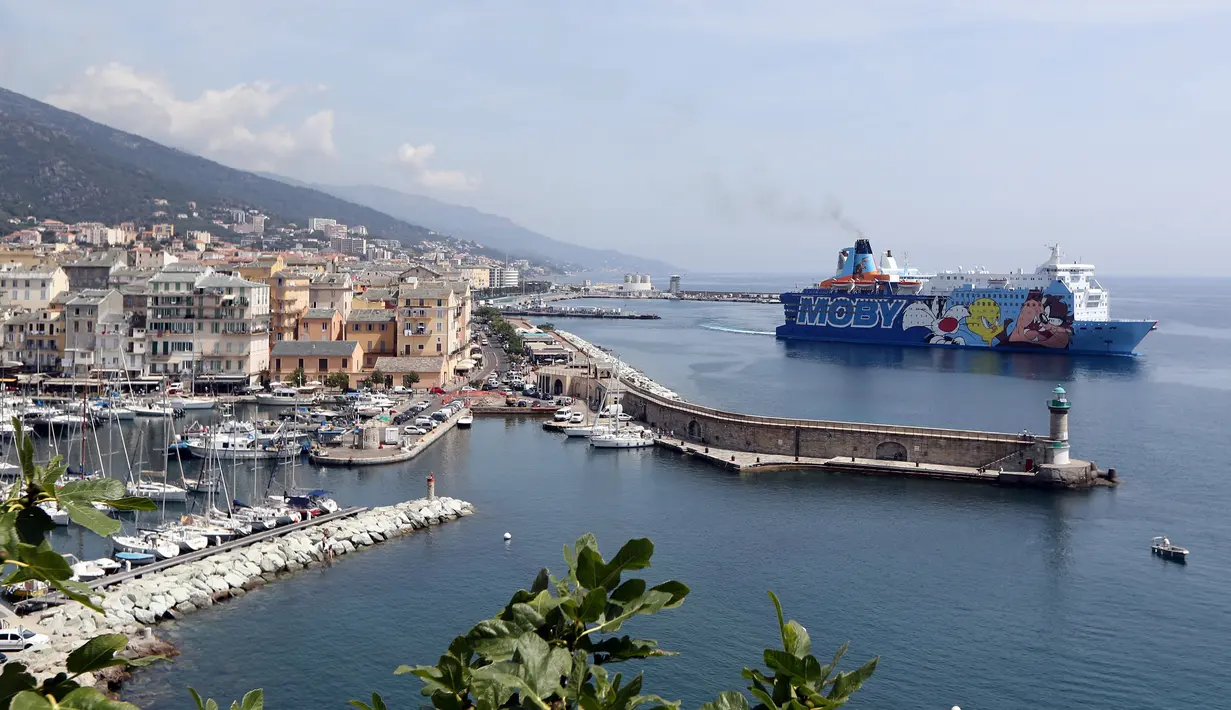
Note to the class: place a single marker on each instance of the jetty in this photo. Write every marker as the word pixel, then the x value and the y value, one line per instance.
pixel 138 600
pixel 748 442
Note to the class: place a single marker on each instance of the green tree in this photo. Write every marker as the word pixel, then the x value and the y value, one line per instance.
pixel 410 379
pixel 549 648
pixel 339 380
pixel 547 326
pixel 376 378
pixel 298 377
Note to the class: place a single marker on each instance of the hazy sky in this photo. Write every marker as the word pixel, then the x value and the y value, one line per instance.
pixel 716 135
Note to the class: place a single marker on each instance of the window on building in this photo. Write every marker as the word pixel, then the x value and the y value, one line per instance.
pixel 324 327
pixel 322 365
pixel 277 364
pixel 301 362
pixel 382 327
pixel 343 363
pixel 228 364
pixel 356 328
pixel 420 346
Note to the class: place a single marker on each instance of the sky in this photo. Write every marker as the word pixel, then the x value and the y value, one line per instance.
pixel 718 135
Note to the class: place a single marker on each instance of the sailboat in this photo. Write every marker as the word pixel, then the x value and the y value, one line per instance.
pixel 616 436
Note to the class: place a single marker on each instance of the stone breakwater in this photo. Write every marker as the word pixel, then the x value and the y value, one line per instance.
pixel 132 606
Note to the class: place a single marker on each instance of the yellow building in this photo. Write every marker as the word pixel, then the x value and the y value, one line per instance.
pixel 376 330
pixel 259 270
pixel 476 276
pixel 288 292
pixel 320 324
pixel 434 321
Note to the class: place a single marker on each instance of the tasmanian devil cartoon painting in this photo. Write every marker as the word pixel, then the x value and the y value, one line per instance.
pixel 1044 321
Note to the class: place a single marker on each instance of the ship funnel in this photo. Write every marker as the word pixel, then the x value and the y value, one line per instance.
pixel 861 262
pixel 888 263
pixel 843 255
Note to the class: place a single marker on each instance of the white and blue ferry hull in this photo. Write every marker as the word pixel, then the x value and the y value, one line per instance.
pixel 1038 322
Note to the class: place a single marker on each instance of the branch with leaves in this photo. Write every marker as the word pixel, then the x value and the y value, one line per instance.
pixel 549 647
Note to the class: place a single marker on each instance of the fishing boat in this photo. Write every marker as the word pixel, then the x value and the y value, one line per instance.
pixel 1163 547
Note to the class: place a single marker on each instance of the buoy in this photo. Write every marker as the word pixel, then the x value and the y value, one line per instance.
pixel 508 536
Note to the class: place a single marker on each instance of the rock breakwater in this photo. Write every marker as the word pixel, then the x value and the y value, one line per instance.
pixel 132 606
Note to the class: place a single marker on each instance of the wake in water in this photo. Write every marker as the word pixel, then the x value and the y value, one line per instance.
pixel 711 326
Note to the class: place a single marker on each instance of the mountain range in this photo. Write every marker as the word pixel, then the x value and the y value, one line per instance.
pixel 58 164
pixel 493 231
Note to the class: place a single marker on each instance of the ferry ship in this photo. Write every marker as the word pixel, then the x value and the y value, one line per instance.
pixel 1059 308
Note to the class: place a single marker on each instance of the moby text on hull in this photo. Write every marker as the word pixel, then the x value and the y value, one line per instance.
pixel 1059 308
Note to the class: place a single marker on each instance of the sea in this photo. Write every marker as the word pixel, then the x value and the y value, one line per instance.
pixel 975 596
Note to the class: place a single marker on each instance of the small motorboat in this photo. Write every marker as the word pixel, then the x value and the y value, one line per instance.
pixel 1162 547
pixel 134 559
pixel 464 421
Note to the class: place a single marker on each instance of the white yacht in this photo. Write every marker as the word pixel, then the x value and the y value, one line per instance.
pixel 160 492
pixel 284 397
pixel 187 403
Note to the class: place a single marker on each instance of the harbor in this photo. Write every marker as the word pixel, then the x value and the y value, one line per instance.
pixel 142 598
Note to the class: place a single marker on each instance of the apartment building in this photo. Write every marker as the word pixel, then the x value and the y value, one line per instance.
pixel 31 287
pixel 317 358
pixel 35 339
pixel 209 323
pixel 83 315
pixel 289 292
pixel 320 324
pixel 376 329
pixel 332 290
pixel 433 321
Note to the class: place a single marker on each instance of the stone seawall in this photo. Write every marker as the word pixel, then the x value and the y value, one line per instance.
pixel 809 438
pixel 134 605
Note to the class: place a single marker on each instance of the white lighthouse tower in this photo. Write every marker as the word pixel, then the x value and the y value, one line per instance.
pixel 1058 406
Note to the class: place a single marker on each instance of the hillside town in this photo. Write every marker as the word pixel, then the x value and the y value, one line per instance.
pixel 145 303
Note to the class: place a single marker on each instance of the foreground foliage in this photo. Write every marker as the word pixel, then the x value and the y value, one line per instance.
pixel 25 549
pixel 548 648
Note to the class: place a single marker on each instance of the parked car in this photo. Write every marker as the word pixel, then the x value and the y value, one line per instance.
pixel 523 403
pixel 400 389
pixel 18 639
pixel 563 414
pixel 423 422
pixel 577 418
pixel 468 388
pixel 442 414
pixel 437 390
pixel 488 386
pixel 414 430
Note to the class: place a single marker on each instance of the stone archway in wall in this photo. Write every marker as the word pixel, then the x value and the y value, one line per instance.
pixel 694 429
pixel 891 451
pixel 558 388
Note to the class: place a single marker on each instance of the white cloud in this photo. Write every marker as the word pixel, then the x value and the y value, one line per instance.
pixel 415 159
pixel 234 125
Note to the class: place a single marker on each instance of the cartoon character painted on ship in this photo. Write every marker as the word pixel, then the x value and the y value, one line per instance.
pixel 1044 321
pixel 944 327
pixel 984 320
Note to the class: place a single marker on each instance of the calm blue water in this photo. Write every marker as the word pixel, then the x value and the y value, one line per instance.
pixel 975 596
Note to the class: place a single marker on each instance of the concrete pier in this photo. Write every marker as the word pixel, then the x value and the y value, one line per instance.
pixel 146 597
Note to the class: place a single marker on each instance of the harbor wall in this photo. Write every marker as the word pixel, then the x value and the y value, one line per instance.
pixel 134 605
pixel 811 438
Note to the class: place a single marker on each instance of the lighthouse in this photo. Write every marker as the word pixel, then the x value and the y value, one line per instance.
pixel 1058 406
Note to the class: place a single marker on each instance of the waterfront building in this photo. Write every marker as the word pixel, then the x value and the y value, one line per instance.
pixel 433 320
pixel 83 316
pixel 35 339
pixel 674 286
pixel 504 277
pixel 431 370
pixel 317 358
pixel 31 287
pixel 209 323
pixel 375 329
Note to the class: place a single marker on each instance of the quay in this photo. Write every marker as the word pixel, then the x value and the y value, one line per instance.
pixel 135 603
pixel 747 442
pixel 567 313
